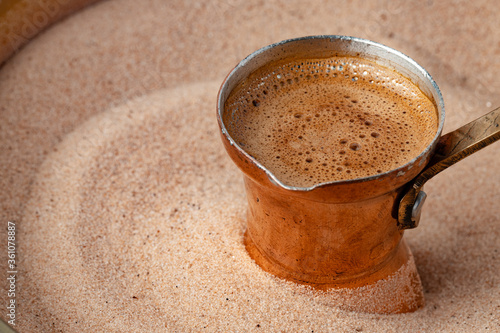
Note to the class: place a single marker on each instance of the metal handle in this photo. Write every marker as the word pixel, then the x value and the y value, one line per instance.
pixel 450 149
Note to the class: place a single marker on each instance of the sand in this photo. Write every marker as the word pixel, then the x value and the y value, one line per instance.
pixel 130 215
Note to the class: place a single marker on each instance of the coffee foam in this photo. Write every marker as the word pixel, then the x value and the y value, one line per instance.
pixel 321 120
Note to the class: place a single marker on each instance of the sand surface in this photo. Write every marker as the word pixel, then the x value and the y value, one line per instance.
pixel 129 214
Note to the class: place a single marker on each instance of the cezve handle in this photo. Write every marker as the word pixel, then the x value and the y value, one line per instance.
pixel 450 149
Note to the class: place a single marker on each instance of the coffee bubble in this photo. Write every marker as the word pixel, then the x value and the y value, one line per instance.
pixel 355 146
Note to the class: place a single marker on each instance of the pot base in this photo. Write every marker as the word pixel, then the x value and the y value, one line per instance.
pixel 394 288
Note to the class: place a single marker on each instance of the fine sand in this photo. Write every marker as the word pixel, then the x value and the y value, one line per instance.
pixel 129 214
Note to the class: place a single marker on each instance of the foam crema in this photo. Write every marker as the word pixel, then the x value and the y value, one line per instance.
pixel 312 121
